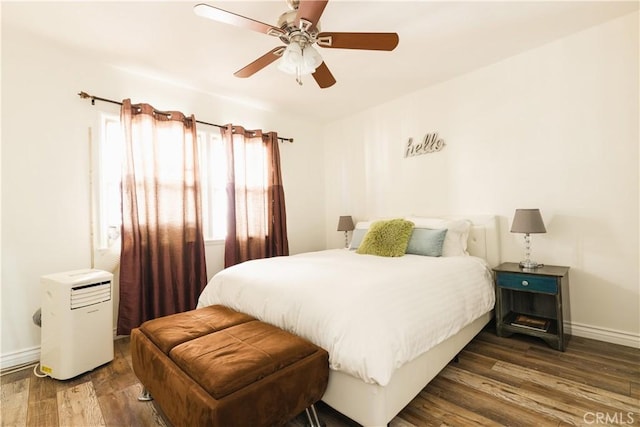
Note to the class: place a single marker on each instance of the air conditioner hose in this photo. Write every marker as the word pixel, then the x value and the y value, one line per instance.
pixel 37 317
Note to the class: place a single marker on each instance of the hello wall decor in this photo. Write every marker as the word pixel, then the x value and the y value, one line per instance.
pixel 430 144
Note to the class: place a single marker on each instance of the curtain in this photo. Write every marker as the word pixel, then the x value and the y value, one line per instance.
pixel 257 220
pixel 162 268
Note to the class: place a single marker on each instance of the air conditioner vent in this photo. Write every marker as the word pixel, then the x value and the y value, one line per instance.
pixel 85 295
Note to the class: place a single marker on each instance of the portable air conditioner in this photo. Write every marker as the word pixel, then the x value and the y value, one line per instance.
pixel 77 322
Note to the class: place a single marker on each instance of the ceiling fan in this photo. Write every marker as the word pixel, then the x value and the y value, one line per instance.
pixel 299 30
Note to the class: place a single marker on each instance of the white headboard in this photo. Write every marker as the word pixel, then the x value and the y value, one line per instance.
pixel 484 239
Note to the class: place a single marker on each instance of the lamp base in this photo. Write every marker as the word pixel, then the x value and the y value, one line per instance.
pixel 530 265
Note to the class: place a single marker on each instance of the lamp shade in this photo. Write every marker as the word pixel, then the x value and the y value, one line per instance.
pixel 345 223
pixel 528 221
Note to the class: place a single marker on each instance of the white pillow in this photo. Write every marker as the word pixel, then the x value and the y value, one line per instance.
pixel 357 237
pixel 364 225
pixel 455 242
pixel 358 233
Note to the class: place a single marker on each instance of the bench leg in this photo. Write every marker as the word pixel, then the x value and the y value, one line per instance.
pixel 145 396
pixel 313 422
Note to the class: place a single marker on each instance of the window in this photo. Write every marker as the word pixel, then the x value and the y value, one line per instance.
pixel 213 176
pixel 109 169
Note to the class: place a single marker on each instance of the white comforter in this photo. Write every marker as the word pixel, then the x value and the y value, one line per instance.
pixel 372 314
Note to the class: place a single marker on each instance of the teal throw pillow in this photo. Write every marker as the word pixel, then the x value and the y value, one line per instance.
pixel 427 242
pixel 387 238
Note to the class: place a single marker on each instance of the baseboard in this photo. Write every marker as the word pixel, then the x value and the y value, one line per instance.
pixel 18 358
pixel 603 334
pixel 27 356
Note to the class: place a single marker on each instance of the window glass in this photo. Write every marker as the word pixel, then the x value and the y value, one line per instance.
pixel 213 178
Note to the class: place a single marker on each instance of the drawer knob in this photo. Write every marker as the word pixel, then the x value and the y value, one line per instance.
pixel 525 283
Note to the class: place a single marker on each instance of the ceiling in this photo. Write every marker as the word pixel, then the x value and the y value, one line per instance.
pixel 438 41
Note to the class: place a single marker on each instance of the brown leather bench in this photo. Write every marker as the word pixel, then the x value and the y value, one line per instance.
pixel 217 367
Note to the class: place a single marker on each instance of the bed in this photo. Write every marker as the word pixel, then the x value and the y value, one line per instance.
pixel 388 329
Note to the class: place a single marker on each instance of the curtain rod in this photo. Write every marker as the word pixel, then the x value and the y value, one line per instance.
pixel 85 95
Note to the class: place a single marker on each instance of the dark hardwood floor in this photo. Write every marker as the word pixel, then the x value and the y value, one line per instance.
pixel 517 381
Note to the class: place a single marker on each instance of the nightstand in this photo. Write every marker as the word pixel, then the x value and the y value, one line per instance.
pixel 532 302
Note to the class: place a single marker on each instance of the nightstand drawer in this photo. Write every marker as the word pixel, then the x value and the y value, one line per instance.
pixel 528 282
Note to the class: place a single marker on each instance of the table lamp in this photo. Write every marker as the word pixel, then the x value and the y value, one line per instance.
pixel 528 221
pixel 345 223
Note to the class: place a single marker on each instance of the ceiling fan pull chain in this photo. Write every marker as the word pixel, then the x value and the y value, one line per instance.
pixel 298 75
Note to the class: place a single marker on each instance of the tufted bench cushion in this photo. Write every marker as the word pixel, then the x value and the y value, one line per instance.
pixel 214 366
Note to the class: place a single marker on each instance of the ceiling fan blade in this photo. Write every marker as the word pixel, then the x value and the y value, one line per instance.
pixel 309 11
pixel 260 63
pixel 366 41
pixel 220 15
pixel 323 76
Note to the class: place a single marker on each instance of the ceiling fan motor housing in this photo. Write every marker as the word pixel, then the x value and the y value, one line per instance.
pixel 287 23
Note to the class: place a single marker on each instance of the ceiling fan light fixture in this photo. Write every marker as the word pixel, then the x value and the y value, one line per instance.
pixel 298 60
pixel 311 57
pixel 291 57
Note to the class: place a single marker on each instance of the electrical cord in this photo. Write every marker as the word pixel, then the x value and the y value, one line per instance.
pixel 37 371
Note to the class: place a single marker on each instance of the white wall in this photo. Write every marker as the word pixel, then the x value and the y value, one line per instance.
pixel 45 169
pixel 554 128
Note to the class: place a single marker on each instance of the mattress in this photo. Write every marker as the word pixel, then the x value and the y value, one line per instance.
pixel 372 314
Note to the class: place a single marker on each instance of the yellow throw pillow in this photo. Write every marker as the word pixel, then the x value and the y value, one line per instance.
pixel 387 238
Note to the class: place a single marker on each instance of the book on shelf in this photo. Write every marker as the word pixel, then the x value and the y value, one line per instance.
pixel 531 322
